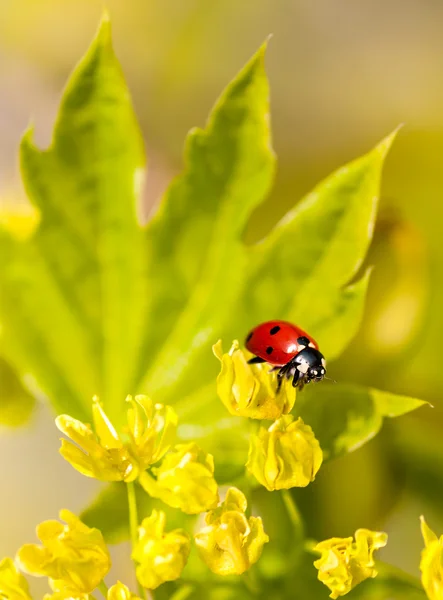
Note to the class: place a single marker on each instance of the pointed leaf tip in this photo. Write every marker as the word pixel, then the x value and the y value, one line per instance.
pixel 385 145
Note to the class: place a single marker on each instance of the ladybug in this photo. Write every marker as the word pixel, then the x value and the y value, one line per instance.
pixel 291 350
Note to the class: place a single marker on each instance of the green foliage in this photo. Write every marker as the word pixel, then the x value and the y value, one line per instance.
pixel 94 303
pixel 346 416
pixel 103 306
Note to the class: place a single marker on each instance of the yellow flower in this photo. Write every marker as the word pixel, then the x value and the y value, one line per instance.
pixel 344 563
pixel 73 556
pixel 284 456
pixel 230 543
pixel 120 592
pixel 103 455
pixel 161 556
pixel 185 480
pixel 431 564
pixel 151 428
pixel 116 592
pixel 250 390
pixel 13 586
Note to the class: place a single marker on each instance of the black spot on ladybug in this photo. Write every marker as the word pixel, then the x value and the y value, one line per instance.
pixel 275 330
pixel 303 341
pixel 249 336
pixel 269 350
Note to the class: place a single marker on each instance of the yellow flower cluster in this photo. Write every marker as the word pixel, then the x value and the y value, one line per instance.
pixel 103 455
pixel 431 564
pixel 160 556
pixel 284 455
pixel 250 390
pixel 230 543
pixel 73 556
pixel 184 479
pixel 344 563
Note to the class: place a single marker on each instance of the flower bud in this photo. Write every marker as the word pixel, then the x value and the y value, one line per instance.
pixel 230 543
pixel 250 390
pixel 284 456
pixel 73 556
pixel 120 592
pixel 13 586
pixel 161 556
pixel 185 480
pixel 431 564
pixel 344 563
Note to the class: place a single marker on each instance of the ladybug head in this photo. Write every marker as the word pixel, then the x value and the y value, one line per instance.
pixel 316 373
pixel 314 364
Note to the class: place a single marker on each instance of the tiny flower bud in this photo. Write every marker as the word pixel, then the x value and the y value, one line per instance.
pixel 161 556
pixel 250 390
pixel 120 592
pixel 185 480
pixel 230 543
pixel 73 556
pixel 284 456
pixel 344 563
pixel 13 585
pixel 431 564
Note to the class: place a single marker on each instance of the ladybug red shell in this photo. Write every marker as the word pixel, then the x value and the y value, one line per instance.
pixel 289 347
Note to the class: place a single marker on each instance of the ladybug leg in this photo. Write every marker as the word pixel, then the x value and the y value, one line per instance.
pixel 256 360
pixel 296 380
pixel 280 375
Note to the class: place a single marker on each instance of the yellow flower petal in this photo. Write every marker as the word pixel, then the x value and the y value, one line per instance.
pixel 13 585
pixel 230 543
pixel 152 429
pixel 250 390
pixel 73 556
pixel 284 456
pixel 431 564
pixel 185 480
pixel 103 427
pixel 161 556
pixel 344 563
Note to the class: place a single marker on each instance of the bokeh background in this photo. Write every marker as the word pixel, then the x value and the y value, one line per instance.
pixel 343 74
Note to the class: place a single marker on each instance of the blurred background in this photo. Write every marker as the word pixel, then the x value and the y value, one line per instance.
pixel 342 75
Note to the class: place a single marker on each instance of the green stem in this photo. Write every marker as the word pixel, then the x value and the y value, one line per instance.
pixel 293 513
pixel 183 592
pixel 133 527
pixel 251 582
pixel 103 588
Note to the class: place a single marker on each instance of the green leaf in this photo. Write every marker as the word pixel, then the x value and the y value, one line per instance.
pixel 417 450
pixel 390 584
pixel 344 417
pixel 197 258
pixel 74 294
pixel 16 403
pixel 300 272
